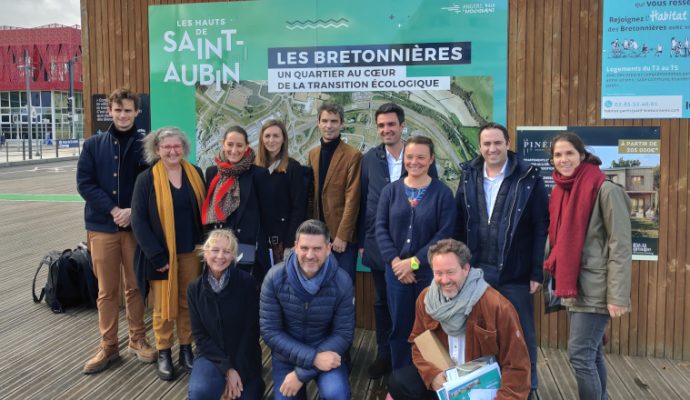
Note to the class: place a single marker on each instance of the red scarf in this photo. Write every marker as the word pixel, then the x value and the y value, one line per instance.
pixel 570 207
pixel 224 203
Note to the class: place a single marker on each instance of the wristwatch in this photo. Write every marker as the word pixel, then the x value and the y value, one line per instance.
pixel 414 263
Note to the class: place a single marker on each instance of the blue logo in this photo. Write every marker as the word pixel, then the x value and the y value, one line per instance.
pixel 608 103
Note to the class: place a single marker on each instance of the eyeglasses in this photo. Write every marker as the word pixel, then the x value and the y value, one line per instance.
pixel 169 147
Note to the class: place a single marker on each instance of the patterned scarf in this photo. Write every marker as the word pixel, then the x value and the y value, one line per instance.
pixel 570 207
pixel 224 191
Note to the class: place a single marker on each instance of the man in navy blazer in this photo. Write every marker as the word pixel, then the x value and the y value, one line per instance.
pixel 380 166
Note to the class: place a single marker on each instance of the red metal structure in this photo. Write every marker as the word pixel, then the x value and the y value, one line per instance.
pixel 50 48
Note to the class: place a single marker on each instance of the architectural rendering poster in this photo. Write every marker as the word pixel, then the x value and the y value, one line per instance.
pixel 215 65
pixel 646 59
pixel 630 157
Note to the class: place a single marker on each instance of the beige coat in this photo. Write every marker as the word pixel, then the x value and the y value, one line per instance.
pixel 340 192
pixel 607 254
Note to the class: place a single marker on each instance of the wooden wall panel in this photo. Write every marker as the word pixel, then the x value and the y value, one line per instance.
pixel 554 78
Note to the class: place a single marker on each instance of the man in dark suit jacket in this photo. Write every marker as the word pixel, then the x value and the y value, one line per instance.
pixel 380 166
pixel 337 166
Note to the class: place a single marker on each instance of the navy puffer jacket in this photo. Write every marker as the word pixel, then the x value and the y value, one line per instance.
pixel 297 325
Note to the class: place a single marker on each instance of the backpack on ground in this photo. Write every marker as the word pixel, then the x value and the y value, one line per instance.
pixel 71 281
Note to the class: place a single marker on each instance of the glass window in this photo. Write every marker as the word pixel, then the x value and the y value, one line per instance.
pixel 5 99
pixel 35 99
pixel 14 99
pixel 45 99
pixel 22 99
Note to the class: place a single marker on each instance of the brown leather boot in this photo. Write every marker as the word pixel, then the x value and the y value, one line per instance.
pixel 143 350
pixel 99 362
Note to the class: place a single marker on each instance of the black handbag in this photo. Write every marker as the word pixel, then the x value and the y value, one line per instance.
pixel 246 254
pixel 552 303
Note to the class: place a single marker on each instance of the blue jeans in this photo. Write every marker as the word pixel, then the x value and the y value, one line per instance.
pixel 333 385
pixel 586 354
pixel 208 382
pixel 521 299
pixel 347 260
pixel 381 314
pixel 401 303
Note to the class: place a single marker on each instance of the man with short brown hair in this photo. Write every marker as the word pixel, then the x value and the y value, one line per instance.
pixel 106 171
pixel 471 320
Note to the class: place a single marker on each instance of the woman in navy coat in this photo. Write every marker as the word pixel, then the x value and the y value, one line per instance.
pixel 224 313
pixel 287 180
pixel 413 213
pixel 237 199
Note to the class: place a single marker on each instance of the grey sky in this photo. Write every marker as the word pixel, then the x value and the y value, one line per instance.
pixel 32 13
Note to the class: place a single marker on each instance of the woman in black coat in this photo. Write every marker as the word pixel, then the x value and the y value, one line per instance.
pixel 224 311
pixel 166 223
pixel 237 199
pixel 287 180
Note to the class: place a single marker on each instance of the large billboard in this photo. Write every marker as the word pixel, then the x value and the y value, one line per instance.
pixel 630 157
pixel 215 65
pixel 646 59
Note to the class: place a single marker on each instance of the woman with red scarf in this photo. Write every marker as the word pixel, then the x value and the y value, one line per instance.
pixel 590 257
pixel 236 199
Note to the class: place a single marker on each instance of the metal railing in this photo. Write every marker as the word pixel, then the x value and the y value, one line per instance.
pixel 17 150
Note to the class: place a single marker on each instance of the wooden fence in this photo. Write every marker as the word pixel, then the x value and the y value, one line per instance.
pixel 554 65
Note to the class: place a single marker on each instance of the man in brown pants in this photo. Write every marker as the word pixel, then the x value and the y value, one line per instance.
pixel 106 172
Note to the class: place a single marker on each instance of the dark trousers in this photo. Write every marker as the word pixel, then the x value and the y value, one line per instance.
pixel 401 303
pixel 382 315
pixel 406 384
pixel 347 260
pixel 519 296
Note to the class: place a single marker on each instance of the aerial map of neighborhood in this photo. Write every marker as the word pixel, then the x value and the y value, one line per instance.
pixel 450 117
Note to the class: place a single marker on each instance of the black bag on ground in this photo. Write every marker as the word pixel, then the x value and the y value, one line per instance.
pixel 71 281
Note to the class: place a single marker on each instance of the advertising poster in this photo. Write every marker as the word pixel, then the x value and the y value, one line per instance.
pixel 646 59
pixel 215 65
pixel 630 157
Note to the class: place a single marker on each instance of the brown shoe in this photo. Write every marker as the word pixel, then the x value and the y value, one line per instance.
pixel 143 350
pixel 102 359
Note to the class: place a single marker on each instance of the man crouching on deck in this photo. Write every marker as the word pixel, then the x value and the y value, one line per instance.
pixel 471 319
pixel 307 317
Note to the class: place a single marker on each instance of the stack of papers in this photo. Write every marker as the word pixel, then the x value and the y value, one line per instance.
pixel 479 379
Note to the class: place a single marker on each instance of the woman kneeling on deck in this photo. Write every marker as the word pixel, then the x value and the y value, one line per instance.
pixel 224 311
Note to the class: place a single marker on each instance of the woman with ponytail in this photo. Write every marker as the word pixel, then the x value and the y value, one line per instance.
pixel 590 256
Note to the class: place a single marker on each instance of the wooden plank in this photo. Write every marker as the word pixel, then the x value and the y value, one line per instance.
pixel 560 368
pixel 547 77
pixel 679 314
pixel 548 388
pixel 616 387
pixel 635 382
pixel 565 72
pixel 537 82
pixel 684 130
pixel 529 73
pixel 631 337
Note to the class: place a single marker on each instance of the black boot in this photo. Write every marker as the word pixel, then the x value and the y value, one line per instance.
pixel 186 357
pixel 165 366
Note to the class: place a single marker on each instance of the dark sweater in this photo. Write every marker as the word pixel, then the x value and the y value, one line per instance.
pixel 225 325
pixel 289 208
pixel 325 157
pixel 403 231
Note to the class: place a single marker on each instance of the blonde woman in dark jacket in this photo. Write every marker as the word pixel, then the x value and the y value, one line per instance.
pixel 590 257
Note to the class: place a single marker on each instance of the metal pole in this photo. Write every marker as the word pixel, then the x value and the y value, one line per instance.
pixel 71 96
pixel 27 72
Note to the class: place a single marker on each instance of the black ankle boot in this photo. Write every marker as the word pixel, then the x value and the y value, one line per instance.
pixel 165 366
pixel 186 357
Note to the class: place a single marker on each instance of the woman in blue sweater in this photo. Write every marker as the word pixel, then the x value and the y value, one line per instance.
pixel 413 214
pixel 224 312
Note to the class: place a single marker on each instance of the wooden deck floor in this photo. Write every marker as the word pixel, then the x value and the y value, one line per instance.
pixel 43 353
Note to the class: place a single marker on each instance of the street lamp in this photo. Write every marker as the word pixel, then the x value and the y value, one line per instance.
pixel 27 72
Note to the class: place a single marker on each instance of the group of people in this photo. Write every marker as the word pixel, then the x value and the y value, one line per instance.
pixel 279 244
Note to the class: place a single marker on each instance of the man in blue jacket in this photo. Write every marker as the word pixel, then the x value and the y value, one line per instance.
pixel 380 166
pixel 307 317
pixel 503 216
pixel 106 171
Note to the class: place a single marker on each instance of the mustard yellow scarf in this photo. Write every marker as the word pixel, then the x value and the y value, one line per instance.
pixel 164 205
